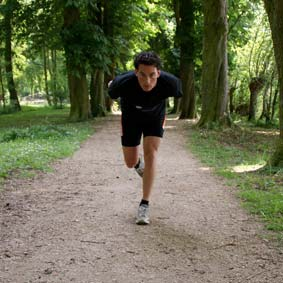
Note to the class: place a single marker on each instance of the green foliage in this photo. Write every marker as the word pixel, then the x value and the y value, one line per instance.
pixel 265 199
pixel 85 43
pixel 241 16
pixel 6 110
pixel 250 55
pixel 125 28
pixel 33 148
pixel 36 25
pixel 31 115
pixel 162 40
pixel 140 25
pixel 80 3
pixel 40 23
pixel 34 132
pixel 241 155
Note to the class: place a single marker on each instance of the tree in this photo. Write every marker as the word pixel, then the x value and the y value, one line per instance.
pixel 41 23
pixel 255 86
pixel 260 60
pixel 73 32
pixel 274 9
pixel 214 75
pixel 45 55
pixel 10 7
pixel 97 94
pixel 132 26
pixel 245 18
pixel 184 12
pixel 2 93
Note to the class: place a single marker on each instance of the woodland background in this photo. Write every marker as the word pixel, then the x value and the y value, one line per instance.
pixel 228 54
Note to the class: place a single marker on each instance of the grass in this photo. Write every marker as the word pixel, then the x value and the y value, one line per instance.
pixel 241 155
pixel 30 140
pixel 34 115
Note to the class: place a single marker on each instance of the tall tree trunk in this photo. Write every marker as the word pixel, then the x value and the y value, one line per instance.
pixel 52 68
pixel 108 28
pixel 255 87
pixel 231 99
pixel 80 108
pixel 32 87
pixel 78 90
pixel 188 84
pixel 176 106
pixel 54 79
pixel 2 95
pixel 45 55
pixel 14 101
pixel 97 101
pixel 274 9
pixel 184 13
pixel 264 113
pixel 176 3
pixel 214 90
pixel 108 78
pixel 274 101
pixel 269 101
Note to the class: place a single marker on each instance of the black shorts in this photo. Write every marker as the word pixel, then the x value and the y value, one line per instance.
pixel 134 128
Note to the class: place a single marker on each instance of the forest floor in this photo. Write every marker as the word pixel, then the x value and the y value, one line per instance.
pixel 77 223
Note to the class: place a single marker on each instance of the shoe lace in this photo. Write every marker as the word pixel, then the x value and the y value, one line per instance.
pixel 143 211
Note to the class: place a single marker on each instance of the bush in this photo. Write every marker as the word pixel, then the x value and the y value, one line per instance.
pixel 35 132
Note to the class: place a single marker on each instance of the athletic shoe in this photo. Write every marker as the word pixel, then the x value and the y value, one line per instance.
pixel 140 169
pixel 143 215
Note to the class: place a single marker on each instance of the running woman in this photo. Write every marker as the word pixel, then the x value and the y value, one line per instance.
pixel 143 94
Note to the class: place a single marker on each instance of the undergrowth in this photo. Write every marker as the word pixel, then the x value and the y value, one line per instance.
pixel 30 140
pixel 241 156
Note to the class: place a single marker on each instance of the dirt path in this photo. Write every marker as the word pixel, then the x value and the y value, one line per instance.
pixel 77 223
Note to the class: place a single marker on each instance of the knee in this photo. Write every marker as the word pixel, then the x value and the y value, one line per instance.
pixel 131 163
pixel 150 156
pixel 131 156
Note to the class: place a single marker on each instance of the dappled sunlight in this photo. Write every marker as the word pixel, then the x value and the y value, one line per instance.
pixel 247 167
pixel 169 127
pixel 176 118
pixel 204 169
pixel 268 133
pixel 116 112
pixel 172 118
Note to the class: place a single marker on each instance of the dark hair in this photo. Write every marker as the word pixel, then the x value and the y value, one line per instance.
pixel 147 58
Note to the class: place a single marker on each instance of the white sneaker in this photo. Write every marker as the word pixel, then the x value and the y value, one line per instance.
pixel 143 215
pixel 140 169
